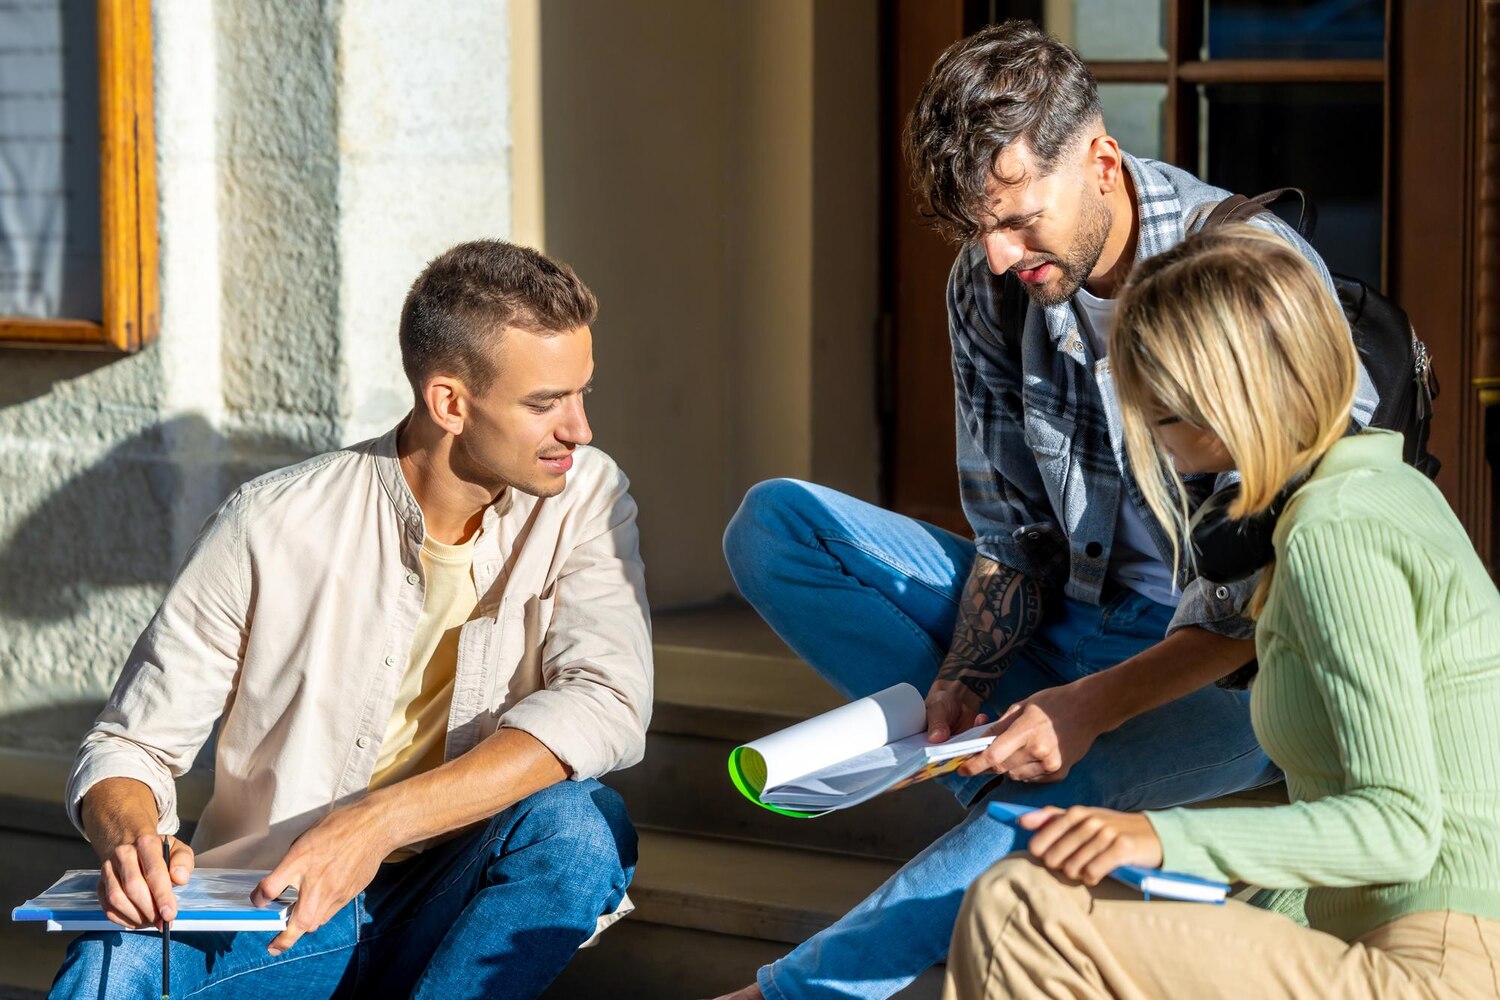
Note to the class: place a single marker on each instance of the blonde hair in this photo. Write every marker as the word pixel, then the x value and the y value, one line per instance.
pixel 1234 332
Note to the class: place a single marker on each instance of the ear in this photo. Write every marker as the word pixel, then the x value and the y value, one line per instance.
pixel 447 403
pixel 1106 164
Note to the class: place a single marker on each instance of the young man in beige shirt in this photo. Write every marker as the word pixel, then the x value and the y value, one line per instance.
pixel 421 651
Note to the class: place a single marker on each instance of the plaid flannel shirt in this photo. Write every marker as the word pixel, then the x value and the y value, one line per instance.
pixel 1041 457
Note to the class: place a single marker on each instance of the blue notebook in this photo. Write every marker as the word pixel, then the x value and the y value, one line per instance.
pixel 1149 882
pixel 215 899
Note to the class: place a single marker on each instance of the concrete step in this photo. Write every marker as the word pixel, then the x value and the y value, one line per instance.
pixel 709 912
pixel 722 673
pixel 749 890
pixel 641 961
pixel 683 785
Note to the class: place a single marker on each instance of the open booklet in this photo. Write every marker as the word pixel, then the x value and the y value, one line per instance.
pixel 214 899
pixel 849 755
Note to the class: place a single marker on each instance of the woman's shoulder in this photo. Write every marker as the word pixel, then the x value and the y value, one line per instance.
pixel 1362 489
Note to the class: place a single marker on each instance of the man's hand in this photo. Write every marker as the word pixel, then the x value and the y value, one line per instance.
pixel 330 864
pixel 1039 739
pixel 135 885
pixel 1086 844
pixel 951 708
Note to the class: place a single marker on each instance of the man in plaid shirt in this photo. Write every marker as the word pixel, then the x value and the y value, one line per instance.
pixel 1064 618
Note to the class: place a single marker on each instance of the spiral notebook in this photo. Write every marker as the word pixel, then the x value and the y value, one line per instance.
pixel 214 899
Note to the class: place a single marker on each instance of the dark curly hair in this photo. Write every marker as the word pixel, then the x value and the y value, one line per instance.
pixel 467 296
pixel 1009 83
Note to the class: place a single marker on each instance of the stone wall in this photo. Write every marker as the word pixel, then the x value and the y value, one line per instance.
pixel 311 157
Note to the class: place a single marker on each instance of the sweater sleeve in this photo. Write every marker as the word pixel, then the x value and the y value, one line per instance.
pixel 1346 586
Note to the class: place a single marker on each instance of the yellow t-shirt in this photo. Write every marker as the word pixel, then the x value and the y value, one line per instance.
pixel 418 727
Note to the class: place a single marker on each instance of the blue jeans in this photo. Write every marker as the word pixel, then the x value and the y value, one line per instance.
pixel 869 598
pixel 494 913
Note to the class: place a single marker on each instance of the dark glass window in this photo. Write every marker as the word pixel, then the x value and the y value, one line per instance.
pixel 1322 138
pixel 1294 29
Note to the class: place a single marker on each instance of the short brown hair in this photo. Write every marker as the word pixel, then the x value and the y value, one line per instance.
pixel 1008 83
pixel 468 296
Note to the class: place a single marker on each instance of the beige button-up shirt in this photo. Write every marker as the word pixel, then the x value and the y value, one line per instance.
pixel 291 621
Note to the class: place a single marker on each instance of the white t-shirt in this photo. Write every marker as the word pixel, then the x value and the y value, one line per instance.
pixel 1134 561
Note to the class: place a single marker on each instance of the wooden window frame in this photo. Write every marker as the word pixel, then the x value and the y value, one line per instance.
pixel 127 193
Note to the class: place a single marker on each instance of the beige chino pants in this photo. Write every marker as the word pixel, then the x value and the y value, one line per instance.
pixel 1025 933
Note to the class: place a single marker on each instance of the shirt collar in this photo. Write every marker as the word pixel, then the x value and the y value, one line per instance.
pixel 388 468
pixel 1158 209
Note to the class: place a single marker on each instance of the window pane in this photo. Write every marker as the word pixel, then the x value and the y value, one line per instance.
pixel 1295 29
pixel 1324 139
pixel 49 160
pixel 1134 115
pixel 1098 29
pixel 1110 29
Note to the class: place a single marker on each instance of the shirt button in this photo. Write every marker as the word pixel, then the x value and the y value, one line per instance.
pixel 362 742
pixel 1077 345
pixel 411 578
pixel 390 661
pixel 1033 535
pixel 1094 550
pixel 1221 592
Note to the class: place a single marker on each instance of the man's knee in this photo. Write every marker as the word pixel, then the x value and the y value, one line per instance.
pixel 762 524
pixel 584 821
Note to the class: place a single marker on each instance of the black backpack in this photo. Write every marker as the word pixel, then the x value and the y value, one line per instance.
pixel 1397 361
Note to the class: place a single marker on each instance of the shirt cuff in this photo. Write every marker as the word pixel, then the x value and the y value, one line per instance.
pixel 1180 852
pixel 577 732
pixel 96 763
pixel 1216 607
pixel 1037 550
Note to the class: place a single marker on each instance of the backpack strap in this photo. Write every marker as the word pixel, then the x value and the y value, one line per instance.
pixel 1238 208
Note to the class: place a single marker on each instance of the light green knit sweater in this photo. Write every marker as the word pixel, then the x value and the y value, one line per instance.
pixel 1379 696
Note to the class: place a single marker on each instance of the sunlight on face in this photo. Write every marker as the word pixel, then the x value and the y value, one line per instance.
pixel 523 430
pixel 1193 449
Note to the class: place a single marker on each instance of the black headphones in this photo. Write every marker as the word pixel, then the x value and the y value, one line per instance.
pixel 1226 549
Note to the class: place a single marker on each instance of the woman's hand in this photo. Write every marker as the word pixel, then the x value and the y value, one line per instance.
pixel 1086 844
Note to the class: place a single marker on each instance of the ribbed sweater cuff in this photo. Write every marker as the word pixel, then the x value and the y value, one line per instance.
pixel 1179 851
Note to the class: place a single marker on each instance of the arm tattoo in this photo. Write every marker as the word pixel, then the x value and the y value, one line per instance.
pixel 999 610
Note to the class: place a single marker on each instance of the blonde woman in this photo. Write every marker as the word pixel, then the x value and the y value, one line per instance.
pixel 1378 637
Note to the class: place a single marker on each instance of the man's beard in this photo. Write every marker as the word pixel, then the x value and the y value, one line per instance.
pixel 1078 263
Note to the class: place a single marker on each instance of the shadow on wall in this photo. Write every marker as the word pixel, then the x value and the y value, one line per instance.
pixel 120 520
pixel 116 523
pixel 54 728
